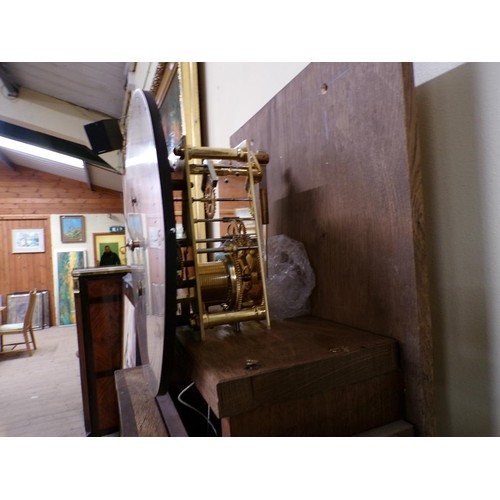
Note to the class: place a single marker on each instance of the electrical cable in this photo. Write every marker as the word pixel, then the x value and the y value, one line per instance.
pixel 195 409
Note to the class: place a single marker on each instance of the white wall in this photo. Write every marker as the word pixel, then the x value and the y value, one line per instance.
pixel 426 71
pixel 460 130
pixel 236 91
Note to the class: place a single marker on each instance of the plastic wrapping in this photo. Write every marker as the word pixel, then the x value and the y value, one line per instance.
pixel 290 280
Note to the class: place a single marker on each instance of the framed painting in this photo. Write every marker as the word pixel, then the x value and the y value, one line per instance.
pixel 66 262
pixel 116 244
pixel 175 87
pixel 28 241
pixel 72 228
pixel 176 91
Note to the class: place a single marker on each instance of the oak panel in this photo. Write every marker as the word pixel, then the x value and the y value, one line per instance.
pixel 344 179
pixel 342 411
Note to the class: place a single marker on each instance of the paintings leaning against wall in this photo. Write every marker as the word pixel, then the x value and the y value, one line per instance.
pixel 72 228
pixel 66 262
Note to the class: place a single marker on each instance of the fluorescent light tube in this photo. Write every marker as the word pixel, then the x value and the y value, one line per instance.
pixel 23 147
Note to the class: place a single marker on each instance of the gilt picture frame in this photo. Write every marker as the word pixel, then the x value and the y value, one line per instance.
pixel 115 241
pixel 176 91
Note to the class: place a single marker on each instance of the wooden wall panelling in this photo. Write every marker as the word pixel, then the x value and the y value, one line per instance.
pixel 343 178
pixel 27 198
pixel 25 191
pixel 21 272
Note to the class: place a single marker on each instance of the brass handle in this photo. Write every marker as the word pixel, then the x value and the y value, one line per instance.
pixel 132 244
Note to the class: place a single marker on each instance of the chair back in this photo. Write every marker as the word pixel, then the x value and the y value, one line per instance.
pixel 28 318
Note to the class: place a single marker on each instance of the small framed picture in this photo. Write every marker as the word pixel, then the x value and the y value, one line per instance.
pixel 72 228
pixel 28 241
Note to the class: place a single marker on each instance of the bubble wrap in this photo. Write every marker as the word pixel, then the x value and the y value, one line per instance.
pixel 291 278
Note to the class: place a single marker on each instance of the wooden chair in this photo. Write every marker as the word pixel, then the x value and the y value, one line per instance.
pixel 25 329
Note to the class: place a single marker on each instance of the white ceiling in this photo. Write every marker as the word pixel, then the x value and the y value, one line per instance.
pixel 96 86
pixel 45 165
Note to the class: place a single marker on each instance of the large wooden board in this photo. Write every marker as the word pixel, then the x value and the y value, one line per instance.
pixel 344 179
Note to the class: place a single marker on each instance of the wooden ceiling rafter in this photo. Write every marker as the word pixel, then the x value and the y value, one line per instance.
pixel 7 161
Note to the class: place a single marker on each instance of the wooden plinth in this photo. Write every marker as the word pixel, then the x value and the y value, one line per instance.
pixel 304 377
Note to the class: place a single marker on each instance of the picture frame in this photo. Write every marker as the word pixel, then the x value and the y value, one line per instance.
pixel 66 262
pixel 72 228
pixel 176 92
pixel 28 241
pixel 116 241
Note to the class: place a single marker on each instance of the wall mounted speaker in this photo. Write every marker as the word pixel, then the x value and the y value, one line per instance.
pixel 104 136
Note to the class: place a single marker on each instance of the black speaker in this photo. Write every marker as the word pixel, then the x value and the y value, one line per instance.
pixel 104 136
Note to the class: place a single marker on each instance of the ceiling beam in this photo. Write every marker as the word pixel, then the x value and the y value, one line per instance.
pixel 7 162
pixel 87 174
pixel 10 85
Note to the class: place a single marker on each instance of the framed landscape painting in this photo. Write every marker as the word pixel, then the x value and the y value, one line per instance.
pixel 28 241
pixel 72 228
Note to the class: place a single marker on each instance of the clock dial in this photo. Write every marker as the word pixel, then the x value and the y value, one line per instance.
pixel 150 218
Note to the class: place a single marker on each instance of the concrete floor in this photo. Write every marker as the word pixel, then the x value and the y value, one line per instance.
pixel 40 396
